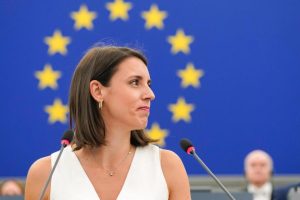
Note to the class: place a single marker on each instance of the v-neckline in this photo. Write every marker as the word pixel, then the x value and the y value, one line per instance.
pixel 90 185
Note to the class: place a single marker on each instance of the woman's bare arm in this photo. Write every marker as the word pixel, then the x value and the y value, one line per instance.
pixel 175 175
pixel 36 178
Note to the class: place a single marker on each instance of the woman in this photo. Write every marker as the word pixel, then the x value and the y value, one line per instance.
pixel 111 156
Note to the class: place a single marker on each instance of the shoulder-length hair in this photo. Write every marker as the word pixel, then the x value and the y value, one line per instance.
pixel 99 63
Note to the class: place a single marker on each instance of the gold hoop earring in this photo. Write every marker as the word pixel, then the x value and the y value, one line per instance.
pixel 100 104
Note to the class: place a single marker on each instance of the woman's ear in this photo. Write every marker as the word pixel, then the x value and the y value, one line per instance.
pixel 96 90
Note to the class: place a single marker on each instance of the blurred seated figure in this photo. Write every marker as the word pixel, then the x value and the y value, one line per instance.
pixel 258 167
pixel 290 192
pixel 294 192
pixel 11 187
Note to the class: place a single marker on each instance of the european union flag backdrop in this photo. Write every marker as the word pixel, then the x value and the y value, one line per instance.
pixel 225 75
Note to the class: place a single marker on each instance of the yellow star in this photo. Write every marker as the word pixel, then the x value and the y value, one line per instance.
pixel 83 18
pixel 57 43
pixel 154 17
pixel 157 133
pixel 190 76
pixel 57 112
pixel 180 42
pixel 47 77
pixel 118 9
pixel 181 110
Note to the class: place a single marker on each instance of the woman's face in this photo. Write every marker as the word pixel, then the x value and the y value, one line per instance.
pixel 126 101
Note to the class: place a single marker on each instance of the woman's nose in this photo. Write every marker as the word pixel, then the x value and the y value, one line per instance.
pixel 149 94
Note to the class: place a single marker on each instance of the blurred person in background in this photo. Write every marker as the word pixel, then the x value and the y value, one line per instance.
pixel 290 192
pixel 11 187
pixel 258 166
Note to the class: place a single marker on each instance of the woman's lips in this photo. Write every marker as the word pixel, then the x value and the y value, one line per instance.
pixel 144 108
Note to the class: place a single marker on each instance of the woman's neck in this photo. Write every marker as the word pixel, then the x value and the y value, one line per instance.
pixel 116 148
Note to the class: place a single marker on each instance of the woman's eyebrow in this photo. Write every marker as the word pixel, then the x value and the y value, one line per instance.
pixel 136 76
pixel 139 78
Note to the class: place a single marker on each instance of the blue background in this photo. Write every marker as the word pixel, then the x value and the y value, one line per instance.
pixel 249 96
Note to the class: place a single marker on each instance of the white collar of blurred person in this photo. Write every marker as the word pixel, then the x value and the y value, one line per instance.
pixel 261 193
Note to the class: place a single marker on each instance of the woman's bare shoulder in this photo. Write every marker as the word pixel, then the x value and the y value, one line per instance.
pixel 171 161
pixel 169 158
pixel 40 168
pixel 41 164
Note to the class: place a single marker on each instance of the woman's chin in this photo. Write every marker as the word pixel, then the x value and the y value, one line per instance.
pixel 142 125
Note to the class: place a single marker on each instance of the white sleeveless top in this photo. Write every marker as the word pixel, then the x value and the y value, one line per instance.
pixel 144 181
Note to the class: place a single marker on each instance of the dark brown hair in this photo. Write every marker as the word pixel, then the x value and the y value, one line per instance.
pixel 99 63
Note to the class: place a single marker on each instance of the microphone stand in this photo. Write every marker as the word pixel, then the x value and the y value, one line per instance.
pixel 193 152
pixel 52 171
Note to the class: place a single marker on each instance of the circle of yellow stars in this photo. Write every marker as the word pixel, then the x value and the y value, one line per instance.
pixel 119 10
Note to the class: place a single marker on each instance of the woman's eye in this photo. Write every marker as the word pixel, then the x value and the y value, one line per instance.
pixel 134 82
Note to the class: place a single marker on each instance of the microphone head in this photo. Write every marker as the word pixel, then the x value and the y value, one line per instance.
pixel 67 138
pixel 187 146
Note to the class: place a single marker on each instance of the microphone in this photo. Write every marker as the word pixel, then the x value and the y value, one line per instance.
pixel 187 146
pixel 65 141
